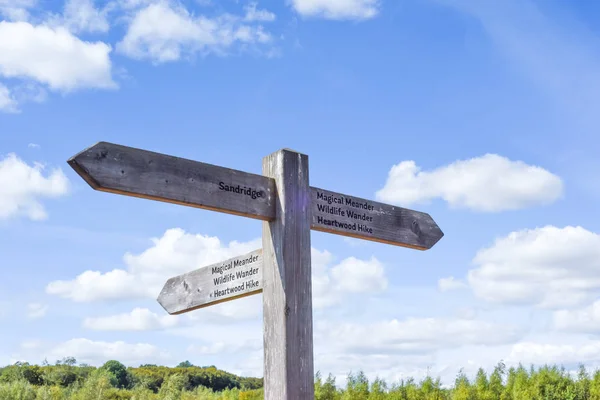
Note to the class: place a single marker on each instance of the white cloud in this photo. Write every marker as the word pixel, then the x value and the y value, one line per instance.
pixel 98 352
pixel 254 14
pixel 175 253
pixel 82 16
pixel 450 283
pixel 54 57
pixel 16 10
pixel 94 285
pixel 414 347
pixel 22 186
pixel 490 183
pixel 8 103
pixel 28 91
pixel 413 335
pixel 178 252
pixel 548 267
pixel 332 282
pixel 33 146
pixel 337 9
pixel 358 276
pixel 586 320
pixel 139 319
pixel 164 32
pixel 531 352
pixel 36 310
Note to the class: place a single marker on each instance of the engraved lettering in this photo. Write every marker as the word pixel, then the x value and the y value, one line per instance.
pixel 248 191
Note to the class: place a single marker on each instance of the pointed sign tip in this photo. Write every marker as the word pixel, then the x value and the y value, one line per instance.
pixel 438 237
pixel 76 165
pixel 86 150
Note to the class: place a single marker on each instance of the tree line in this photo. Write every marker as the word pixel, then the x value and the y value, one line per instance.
pixel 113 381
pixel 65 380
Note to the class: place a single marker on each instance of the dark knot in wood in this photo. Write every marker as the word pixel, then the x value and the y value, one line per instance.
pixel 416 228
pixel 101 154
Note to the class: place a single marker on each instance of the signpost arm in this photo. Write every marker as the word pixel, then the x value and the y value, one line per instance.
pixel 287 287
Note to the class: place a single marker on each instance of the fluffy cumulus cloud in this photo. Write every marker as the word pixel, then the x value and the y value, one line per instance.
pixel 53 57
pixel 23 186
pixel 7 101
pixel 43 49
pixel 178 252
pixel 540 353
pixel 139 319
pixel 164 31
pixel 47 54
pixel 175 253
pixel 415 347
pixel 16 10
pixel 359 276
pixel 337 9
pixel 332 282
pixel 585 320
pixel 548 267
pixel 81 16
pixel 490 183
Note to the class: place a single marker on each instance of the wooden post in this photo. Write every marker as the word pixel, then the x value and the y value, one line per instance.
pixel 287 288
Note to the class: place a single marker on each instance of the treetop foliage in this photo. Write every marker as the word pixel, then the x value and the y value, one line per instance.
pixel 65 380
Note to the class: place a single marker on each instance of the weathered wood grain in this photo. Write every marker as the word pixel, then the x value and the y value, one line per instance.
pixel 365 219
pixel 287 291
pixel 133 172
pixel 140 173
pixel 224 281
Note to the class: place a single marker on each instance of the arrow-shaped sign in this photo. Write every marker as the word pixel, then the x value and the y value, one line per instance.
pixel 369 220
pixel 228 280
pixel 140 173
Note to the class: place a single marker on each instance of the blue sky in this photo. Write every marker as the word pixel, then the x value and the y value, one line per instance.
pixel 483 114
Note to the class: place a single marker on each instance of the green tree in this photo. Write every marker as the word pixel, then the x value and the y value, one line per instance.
pixel 582 387
pixel 119 371
pixel 357 387
pixel 98 386
pixel 325 390
pixel 495 385
pixel 172 387
pixel 377 390
pixel 462 388
pixel 17 390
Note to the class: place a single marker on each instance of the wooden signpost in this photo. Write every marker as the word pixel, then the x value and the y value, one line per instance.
pixel 289 208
